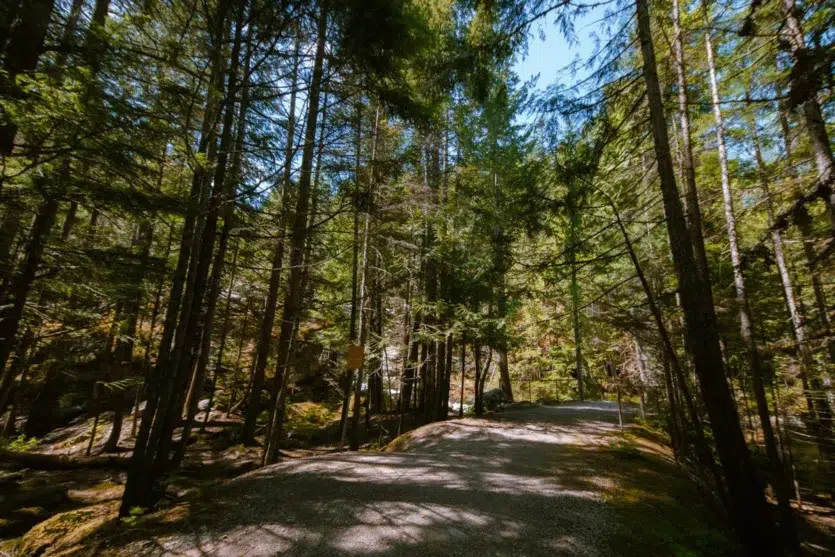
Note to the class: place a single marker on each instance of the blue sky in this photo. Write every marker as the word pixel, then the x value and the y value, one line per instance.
pixel 548 57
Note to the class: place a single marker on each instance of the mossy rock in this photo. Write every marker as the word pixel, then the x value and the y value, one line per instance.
pixel 64 533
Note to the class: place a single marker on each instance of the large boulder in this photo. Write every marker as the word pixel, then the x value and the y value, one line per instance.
pixel 494 398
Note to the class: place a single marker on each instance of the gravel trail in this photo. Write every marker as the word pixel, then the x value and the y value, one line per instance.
pixel 535 481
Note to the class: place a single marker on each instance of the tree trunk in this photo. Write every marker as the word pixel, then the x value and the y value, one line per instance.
pixel 363 328
pixel 810 108
pixel 746 326
pixel 224 333
pixel 159 383
pixel 194 317
pixel 265 337
pixel 750 512
pixel 573 232
pixel 125 345
pixel 19 291
pixel 463 376
pixel 694 212
pixel 819 407
pixel 702 449
pixel 499 256
pixel 295 288
pixel 228 182
pixel 23 50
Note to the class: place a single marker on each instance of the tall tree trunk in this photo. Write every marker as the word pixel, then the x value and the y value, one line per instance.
pixel 228 194
pixel 224 333
pixel 694 212
pixel 26 38
pixel 819 407
pixel 295 288
pixel 348 379
pixel 750 512
pixel 123 355
pixel 159 383
pixel 703 453
pixel 363 335
pixel 463 375
pixel 795 316
pixel 779 477
pixel 810 108
pixel 265 336
pixel 198 313
pixel 19 292
pixel 407 373
pixel 375 385
pixel 499 256
pixel 573 231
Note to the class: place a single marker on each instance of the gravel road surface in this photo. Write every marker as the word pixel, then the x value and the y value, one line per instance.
pixel 535 481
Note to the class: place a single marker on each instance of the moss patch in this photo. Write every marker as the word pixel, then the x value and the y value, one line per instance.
pixel 61 534
pixel 659 510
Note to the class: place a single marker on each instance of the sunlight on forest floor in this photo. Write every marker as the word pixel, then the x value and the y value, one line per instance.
pixel 532 481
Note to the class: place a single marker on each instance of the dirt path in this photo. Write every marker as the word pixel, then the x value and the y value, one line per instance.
pixel 537 481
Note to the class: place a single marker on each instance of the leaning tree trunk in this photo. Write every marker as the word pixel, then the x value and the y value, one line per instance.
pixel 193 316
pixel 694 212
pixel 751 514
pixel 265 335
pixel 159 383
pixel 810 108
pixel 227 202
pixel 703 453
pixel 746 326
pixel 796 318
pixel 295 288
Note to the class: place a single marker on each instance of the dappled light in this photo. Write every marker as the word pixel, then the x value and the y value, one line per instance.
pixel 537 480
pixel 413 278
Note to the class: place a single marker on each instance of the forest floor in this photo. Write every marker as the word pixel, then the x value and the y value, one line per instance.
pixel 529 481
pixel 539 480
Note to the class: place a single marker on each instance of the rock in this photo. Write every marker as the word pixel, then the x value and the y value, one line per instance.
pixel 66 530
pixel 203 404
pixel 494 398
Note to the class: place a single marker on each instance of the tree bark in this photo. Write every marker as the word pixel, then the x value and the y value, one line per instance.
pixel 265 336
pixel 750 512
pixel 123 355
pixel 23 51
pixel 694 212
pixel 746 325
pixel 295 288
pixel 159 383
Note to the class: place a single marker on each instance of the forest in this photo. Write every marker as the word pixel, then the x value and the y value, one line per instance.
pixel 260 230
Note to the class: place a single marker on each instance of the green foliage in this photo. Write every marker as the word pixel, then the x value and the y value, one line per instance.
pixel 21 443
pixel 136 513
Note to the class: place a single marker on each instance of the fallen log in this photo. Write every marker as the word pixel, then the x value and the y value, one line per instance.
pixel 39 461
